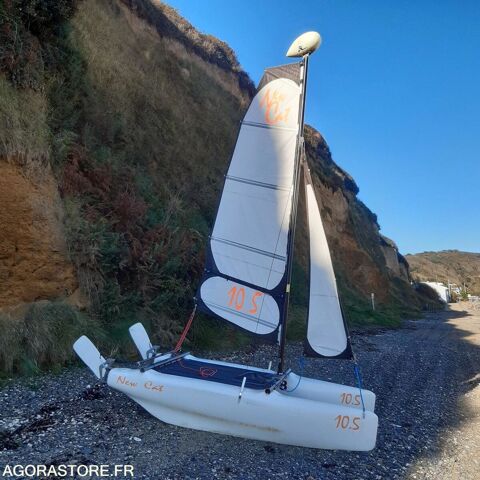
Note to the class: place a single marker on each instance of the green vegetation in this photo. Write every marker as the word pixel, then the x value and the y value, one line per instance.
pixel 42 336
pixel 138 205
pixel 359 312
pixel 138 130
pixel 120 116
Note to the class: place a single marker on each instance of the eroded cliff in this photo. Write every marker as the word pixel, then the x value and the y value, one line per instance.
pixel 131 115
pixel 34 261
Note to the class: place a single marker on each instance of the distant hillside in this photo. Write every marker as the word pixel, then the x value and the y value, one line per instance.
pixel 448 265
pixel 117 122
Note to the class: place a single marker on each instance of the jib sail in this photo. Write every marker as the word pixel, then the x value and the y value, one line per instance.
pixel 326 330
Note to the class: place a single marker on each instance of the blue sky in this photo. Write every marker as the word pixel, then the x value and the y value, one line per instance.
pixel 394 89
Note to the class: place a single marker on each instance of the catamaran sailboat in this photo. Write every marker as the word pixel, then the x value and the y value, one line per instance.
pixel 246 282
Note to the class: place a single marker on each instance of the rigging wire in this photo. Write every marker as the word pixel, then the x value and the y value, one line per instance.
pixel 358 376
pixel 178 346
pixel 301 365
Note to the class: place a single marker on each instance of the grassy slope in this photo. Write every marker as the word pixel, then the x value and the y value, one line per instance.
pixel 139 131
pixel 126 121
pixel 449 265
pixel 135 192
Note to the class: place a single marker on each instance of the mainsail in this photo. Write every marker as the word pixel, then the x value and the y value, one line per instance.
pixel 326 329
pixel 245 276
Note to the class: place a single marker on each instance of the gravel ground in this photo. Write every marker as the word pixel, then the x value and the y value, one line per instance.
pixel 426 377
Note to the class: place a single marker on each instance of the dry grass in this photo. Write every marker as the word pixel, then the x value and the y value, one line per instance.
pixel 42 337
pixel 168 121
pixel 24 132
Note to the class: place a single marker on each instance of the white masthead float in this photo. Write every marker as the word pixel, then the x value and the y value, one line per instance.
pixel 246 282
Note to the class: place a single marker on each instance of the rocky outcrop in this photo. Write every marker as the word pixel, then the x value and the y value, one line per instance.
pixel 395 261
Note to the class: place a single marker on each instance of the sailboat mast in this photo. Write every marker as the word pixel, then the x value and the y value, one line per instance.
pixel 293 223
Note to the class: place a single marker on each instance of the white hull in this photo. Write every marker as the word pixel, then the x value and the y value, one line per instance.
pixel 312 413
pixel 311 416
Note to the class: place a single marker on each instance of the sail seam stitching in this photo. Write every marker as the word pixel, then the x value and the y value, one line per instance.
pixel 276 246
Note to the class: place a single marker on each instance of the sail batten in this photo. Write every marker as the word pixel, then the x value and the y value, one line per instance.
pixel 243 315
pixel 257 183
pixel 247 255
pixel 248 248
pixel 271 127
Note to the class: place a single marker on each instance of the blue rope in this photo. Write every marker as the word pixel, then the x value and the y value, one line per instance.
pixel 359 381
pixel 301 364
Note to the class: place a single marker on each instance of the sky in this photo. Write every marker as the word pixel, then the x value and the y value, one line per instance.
pixel 395 91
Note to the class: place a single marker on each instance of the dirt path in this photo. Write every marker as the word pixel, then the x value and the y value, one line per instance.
pixel 458 454
pixel 426 377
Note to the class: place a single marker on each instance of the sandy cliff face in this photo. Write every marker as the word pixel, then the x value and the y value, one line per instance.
pixel 34 264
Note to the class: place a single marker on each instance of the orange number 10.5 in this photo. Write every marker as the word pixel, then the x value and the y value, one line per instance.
pixel 345 422
pixel 237 299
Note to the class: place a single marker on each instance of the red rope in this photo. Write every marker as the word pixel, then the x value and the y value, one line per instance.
pixel 185 330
